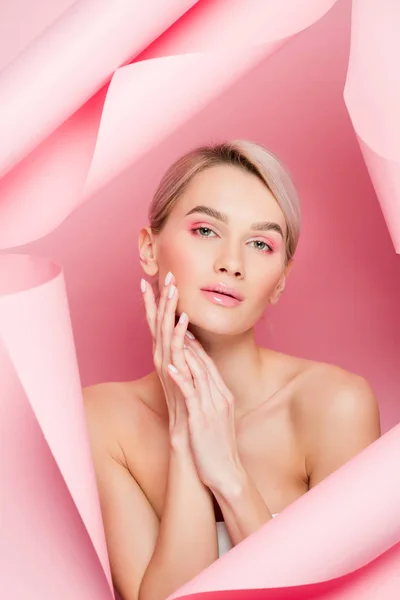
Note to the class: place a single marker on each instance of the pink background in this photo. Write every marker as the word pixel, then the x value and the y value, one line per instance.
pixel 341 301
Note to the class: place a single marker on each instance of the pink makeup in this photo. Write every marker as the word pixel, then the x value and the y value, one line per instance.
pixel 221 299
pixel 272 243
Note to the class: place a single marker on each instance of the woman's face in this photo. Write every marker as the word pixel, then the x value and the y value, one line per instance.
pixel 225 230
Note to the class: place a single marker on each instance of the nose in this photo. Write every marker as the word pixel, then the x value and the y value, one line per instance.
pixel 230 263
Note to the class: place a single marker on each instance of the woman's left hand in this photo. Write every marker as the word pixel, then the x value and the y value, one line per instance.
pixel 210 406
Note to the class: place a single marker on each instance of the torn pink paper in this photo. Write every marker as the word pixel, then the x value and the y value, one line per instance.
pixel 211 47
pixel 69 63
pixel 37 341
pixel 372 96
pixel 146 100
pixel 45 550
pixel 378 579
pixel 345 522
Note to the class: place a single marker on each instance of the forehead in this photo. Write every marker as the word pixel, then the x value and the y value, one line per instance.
pixel 234 191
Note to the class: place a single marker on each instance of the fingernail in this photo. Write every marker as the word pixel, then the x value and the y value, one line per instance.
pixel 182 318
pixel 171 291
pixel 168 278
pixel 173 369
pixel 143 285
pixel 190 335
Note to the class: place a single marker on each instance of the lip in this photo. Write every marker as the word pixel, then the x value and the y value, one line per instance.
pixel 223 289
pixel 221 299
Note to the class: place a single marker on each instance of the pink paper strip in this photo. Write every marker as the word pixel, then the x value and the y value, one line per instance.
pixel 36 333
pixel 45 551
pixel 372 96
pixel 378 579
pixel 69 63
pixel 146 100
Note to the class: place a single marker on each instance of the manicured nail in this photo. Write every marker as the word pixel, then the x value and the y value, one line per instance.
pixel 182 318
pixel 173 369
pixel 168 278
pixel 171 291
pixel 143 285
pixel 190 335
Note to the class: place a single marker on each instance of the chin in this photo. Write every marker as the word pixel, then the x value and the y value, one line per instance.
pixel 220 322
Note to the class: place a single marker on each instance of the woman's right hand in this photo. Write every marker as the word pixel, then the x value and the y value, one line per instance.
pixel 168 341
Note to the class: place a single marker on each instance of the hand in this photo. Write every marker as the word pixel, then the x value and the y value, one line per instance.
pixel 210 406
pixel 168 341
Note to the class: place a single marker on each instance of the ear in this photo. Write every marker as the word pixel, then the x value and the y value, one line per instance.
pixel 278 291
pixel 147 251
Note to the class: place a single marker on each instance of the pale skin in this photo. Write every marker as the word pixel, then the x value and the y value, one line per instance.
pixel 252 427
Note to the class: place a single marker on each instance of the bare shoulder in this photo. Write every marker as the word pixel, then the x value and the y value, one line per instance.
pixel 337 416
pixel 119 397
pixel 326 391
pixel 117 412
pixel 109 400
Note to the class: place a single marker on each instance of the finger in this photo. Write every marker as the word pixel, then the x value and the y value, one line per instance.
pixel 187 389
pixel 161 358
pixel 153 313
pixel 168 323
pixel 163 301
pixel 177 345
pixel 200 380
pixel 221 395
pixel 198 349
pixel 150 306
pixel 219 398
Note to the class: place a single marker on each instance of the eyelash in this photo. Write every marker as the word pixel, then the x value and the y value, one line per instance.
pixel 264 251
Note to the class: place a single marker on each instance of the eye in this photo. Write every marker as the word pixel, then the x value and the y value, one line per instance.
pixel 262 246
pixel 203 231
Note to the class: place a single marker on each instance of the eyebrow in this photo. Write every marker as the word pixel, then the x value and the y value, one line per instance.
pixel 216 214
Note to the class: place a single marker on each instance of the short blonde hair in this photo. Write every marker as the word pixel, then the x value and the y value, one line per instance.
pixel 243 154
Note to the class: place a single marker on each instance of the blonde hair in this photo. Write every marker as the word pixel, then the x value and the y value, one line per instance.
pixel 246 155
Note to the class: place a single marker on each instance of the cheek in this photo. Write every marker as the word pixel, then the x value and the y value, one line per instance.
pixel 267 280
pixel 173 258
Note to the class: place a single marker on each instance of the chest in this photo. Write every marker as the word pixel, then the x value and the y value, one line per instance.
pixel 271 455
pixel 267 447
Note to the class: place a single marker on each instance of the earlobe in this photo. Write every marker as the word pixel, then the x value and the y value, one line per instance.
pixel 278 291
pixel 147 252
pixel 275 296
pixel 281 285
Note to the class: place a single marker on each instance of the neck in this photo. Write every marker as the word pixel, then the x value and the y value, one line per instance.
pixel 240 361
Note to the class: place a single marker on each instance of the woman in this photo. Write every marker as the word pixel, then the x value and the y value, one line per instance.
pixel 222 430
